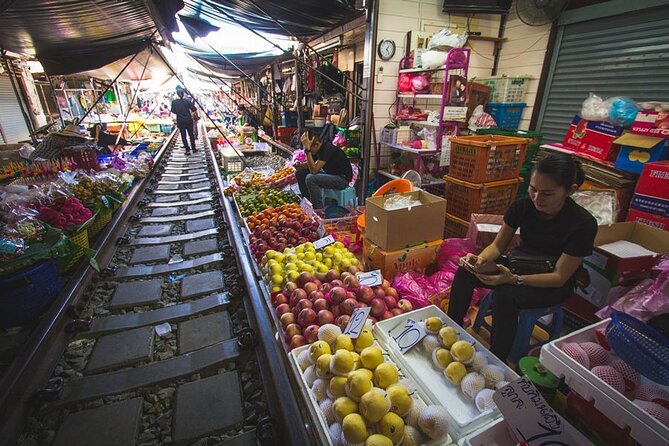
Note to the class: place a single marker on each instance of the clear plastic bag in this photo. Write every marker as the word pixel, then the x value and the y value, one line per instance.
pixel 398 201
pixel 594 109
pixel 445 39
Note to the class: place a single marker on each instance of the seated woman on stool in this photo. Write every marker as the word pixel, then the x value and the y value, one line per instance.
pixel 327 168
pixel 551 224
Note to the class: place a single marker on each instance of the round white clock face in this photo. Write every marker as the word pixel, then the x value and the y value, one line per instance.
pixel 386 49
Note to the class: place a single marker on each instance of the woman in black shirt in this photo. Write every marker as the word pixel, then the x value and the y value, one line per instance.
pixel 551 224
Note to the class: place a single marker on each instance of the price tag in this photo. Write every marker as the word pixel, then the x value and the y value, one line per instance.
pixel 356 322
pixel 371 278
pixel 306 206
pixel 532 420
pixel 408 336
pixel 323 242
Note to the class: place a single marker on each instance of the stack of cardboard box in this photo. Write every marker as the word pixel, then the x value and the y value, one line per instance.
pixel 650 203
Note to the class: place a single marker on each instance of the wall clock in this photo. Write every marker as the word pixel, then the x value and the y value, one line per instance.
pixel 386 49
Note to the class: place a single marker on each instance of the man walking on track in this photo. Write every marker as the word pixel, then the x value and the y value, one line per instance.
pixel 184 109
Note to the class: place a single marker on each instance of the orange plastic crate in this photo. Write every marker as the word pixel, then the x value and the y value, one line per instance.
pixel 464 198
pixel 455 227
pixel 485 158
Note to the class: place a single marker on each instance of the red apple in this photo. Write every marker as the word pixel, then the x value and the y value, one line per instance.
pixel 304 303
pixel 311 333
pixel 332 275
pixel 304 278
pixel 318 283
pixel 361 305
pixel 289 287
pixel 390 291
pixel 320 304
pixel 373 319
pixel 297 341
pixel 353 269
pixel 325 317
pixel 378 307
pixel 292 330
pixel 391 301
pixel 397 311
pixel 351 295
pixel 344 275
pixel 297 295
pixel 379 292
pixel 306 317
pixel 287 319
pixel 325 287
pixel 281 309
pixel 337 295
pixel 387 315
pixel 280 299
pixel 385 284
pixel 405 305
pixel 351 281
pixel 348 306
pixel 336 312
pixel 315 295
pixel 342 321
pixel 336 282
pixel 309 287
pixel 365 294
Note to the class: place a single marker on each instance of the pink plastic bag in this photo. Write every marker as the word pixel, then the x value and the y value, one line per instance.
pixel 414 287
pixel 404 85
pixel 450 252
pixel 420 83
pixel 648 299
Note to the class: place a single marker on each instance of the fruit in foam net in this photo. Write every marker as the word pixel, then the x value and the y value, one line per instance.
pixel 343 342
pixel 433 421
pixel 484 400
pixel 392 426
pixel 344 406
pixel 433 325
pixel 472 384
pixel 400 400
pixel 448 336
pixel 337 387
pixel 385 375
pixel 374 405
pixel 341 362
pixel 610 376
pixel 413 416
pixel 630 375
pixel 328 333
pixel 371 357
pixel 430 342
pixel 320 389
pixel 357 384
pixel 655 410
pixel 317 349
pixel 441 358
pixel 596 353
pixel 501 384
pixel 492 374
pixel 323 365
pixel 478 361
pixel 310 375
pixel 412 436
pixel 368 373
pixel 576 352
pixel 335 433
pixel 651 392
pixel 378 440
pixel 304 360
pixel 462 351
pixel 455 371
pixel 326 407
pixel 354 428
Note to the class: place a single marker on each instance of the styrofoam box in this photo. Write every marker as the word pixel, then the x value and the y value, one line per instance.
pixel 498 433
pixel 433 386
pixel 643 427
pixel 316 413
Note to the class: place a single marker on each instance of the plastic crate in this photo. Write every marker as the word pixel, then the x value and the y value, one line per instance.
pixel 532 146
pixel 85 159
pixel 506 89
pixel 506 115
pixel 464 199
pixel 455 227
pixel 27 293
pixel 485 158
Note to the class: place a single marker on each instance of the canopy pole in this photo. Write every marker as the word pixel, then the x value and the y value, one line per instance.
pixel 299 95
pixel 12 80
pixel 368 76
pixel 55 99
pixel 141 77
pixel 240 155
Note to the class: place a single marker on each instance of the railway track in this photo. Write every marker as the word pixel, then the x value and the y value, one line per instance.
pixel 170 344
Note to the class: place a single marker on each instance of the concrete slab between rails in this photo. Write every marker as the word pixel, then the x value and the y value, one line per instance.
pixel 153 270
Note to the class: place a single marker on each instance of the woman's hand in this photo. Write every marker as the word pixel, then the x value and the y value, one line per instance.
pixel 471 259
pixel 505 277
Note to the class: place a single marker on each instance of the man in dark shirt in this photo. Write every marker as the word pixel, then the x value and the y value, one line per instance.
pixel 184 110
pixel 327 168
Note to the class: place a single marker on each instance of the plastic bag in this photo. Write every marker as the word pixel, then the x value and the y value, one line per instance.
pixel 404 84
pixel 480 119
pixel 26 150
pixel 420 83
pixel 339 140
pixel 594 109
pixel 622 111
pixel 414 287
pixel 648 299
pixel 445 39
pixel 398 201
pixel 433 59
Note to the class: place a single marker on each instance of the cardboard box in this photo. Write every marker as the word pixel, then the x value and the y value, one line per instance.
pixel 654 180
pixel 637 150
pixel 483 229
pixel 597 286
pixel 657 221
pixel 652 205
pixel 401 228
pixel 417 258
pixel 651 123
pixel 626 270
pixel 594 138
pixel 416 40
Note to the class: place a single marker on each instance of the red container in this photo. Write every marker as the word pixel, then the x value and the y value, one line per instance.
pixel 654 180
pixel 594 138
pixel 655 220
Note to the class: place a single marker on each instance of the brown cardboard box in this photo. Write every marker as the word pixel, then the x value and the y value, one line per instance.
pixel 483 229
pixel 401 228
pixel 417 258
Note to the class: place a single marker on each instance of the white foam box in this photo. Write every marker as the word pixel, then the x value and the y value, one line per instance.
pixel 317 415
pixel 498 433
pixel 643 427
pixel 433 386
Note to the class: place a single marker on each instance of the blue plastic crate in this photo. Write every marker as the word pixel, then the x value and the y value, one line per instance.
pixel 507 116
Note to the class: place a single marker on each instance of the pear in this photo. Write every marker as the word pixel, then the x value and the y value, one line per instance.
pixel 385 375
pixel 337 387
pixel 341 362
pixel 462 351
pixel 374 405
pixel 343 406
pixel 448 336
pixel 392 426
pixel 378 440
pixel 343 342
pixel 455 371
pixel 365 339
pixel 400 400
pixel 441 358
pixel 433 421
pixel 323 365
pixel 366 372
pixel 371 357
pixel 356 360
pixel 317 349
pixel 433 325
pixel 357 385
pixel 354 428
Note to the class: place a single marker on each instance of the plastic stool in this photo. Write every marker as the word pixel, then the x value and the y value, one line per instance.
pixel 343 197
pixel 526 322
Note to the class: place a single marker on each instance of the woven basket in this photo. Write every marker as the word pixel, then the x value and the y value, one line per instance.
pixel 102 219
pixel 77 248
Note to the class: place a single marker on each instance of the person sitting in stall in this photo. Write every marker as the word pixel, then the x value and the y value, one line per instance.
pixel 327 168
pixel 106 140
pixel 552 226
pixel 53 144
pixel 246 117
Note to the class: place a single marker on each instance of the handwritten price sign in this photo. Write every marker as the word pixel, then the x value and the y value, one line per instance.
pixel 371 278
pixel 357 321
pixel 408 336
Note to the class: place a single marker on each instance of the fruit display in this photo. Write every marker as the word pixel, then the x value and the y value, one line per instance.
pixel 281 177
pixel 307 304
pixel 89 190
pixel 250 178
pixel 362 397
pixel 263 197
pixel 65 214
pixel 280 228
